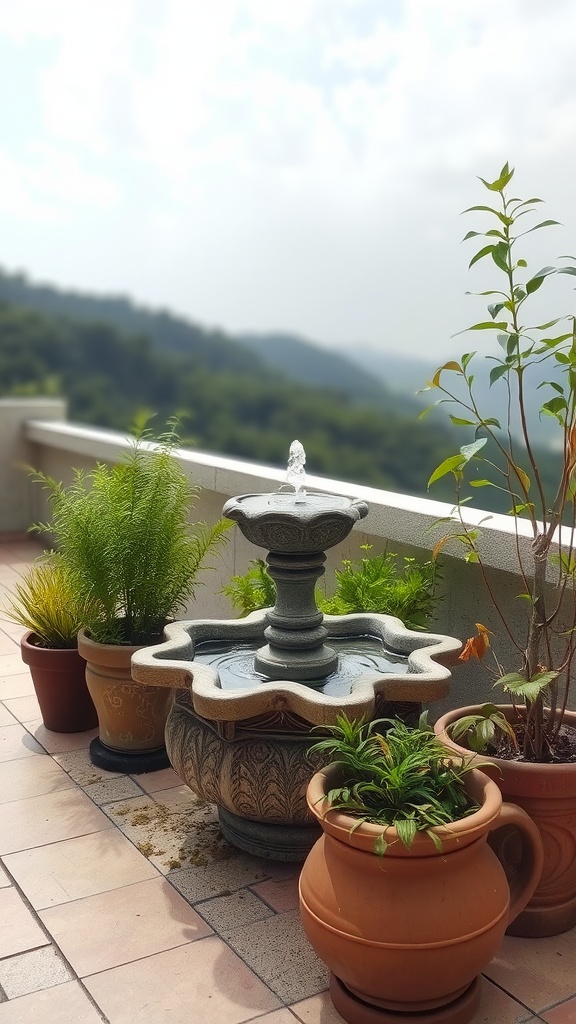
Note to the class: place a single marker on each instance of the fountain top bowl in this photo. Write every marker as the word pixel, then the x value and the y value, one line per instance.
pixel 295 522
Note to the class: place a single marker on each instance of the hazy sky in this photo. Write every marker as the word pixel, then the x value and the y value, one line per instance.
pixel 281 164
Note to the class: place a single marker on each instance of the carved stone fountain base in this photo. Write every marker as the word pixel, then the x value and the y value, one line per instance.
pixel 256 771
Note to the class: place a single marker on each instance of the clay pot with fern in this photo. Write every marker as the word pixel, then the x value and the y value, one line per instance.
pixel 123 532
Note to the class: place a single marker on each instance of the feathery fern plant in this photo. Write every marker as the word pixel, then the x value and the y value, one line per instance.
pixel 404 779
pixel 124 536
pixel 46 602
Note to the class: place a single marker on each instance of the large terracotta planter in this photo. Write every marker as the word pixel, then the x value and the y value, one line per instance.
pixel 59 678
pixel 131 717
pixel 407 934
pixel 547 792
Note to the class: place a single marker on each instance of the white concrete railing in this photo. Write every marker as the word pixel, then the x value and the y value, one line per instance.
pixel 397 522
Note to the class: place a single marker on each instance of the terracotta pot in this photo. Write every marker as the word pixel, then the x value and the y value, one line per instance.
pixel 131 717
pixel 409 932
pixel 59 678
pixel 547 792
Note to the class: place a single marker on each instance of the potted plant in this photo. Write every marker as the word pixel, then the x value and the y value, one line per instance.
pixel 52 612
pixel 132 556
pixel 402 897
pixel 532 739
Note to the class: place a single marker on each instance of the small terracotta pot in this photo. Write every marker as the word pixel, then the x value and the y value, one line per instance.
pixel 59 678
pixel 131 717
pixel 409 932
pixel 547 792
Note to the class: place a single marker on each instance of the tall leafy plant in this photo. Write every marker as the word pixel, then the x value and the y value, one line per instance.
pixel 539 677
pixel 123 534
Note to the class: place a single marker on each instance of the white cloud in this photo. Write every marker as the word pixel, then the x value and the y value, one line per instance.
pixel 255 146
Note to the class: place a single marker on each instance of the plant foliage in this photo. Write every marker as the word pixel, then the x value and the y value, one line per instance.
pixel 381 583
pixel 538 682
pixel 124 537
pixel 404 779
pixel 47 602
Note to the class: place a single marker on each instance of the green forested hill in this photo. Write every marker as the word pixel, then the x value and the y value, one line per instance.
pixel 109 377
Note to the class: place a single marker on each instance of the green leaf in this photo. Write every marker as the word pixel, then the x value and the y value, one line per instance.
pixel 471 556
pixel 450 465
pixel 487 326
pixel 462 423
pixel 500 255
pixel 450 365
pixel 468 451
pixel 486 251
pixel 495 307
pixel 498 371
pixel 482 483
pixel 466 358
pixel 542 224
pixel 523 477
pixel 501 182
pixel 535 282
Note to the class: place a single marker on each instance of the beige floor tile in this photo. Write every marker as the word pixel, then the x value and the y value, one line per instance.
pixel 11 664
pixel 19 929
pixel 496 1007
pixel 563 1014
pixel 173 831
pixel 284 1016
pixel 227 913
pixel 31 776
pixel 537 972
pixel 5 717
pixel 8 644
pixel 65 1004
pixel 19 685
pixel 29 972
pixel 59 742
pixel 4 880
pixel 153 782
pixel 80 768
pixel 279 893
pixel 41 820
pixel 75 868
pixel 15 742
pixel 219 878
pixel 14 630
pixel 277 949
pixel 24 709
pixel 203 981
pixel 115 927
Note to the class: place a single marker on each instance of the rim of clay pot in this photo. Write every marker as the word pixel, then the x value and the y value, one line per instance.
pixel 458 834
pixel 27 644
pixel 105 654
pixel 518 773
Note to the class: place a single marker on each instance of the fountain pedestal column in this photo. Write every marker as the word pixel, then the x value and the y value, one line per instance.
pixel 295 634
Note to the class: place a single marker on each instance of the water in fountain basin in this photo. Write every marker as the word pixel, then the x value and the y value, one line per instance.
pixel 357 656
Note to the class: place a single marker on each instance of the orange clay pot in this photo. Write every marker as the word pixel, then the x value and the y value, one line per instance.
pixel 131 717
pixel 547 792
pixel 407 934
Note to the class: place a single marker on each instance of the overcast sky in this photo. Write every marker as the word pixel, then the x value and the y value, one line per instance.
pixel 294 165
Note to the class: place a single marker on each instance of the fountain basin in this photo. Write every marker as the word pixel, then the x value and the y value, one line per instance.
pixel 246 748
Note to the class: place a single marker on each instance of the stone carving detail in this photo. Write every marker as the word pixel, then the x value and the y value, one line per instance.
pixel 262 778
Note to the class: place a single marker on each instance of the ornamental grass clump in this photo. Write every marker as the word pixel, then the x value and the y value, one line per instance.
pixel 46 602
pixel 123 533
pixel 403 778
pixel 538 677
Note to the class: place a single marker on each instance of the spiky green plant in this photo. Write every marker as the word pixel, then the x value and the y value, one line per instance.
pixel 380 583
pixel 404 778
pixel 385 584
pixel 46 602
pixel 252 591
pixel 124 536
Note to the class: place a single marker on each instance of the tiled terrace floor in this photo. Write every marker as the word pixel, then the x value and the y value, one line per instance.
pixel 120 902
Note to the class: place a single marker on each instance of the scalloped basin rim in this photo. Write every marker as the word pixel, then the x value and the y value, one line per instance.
pixel 170 664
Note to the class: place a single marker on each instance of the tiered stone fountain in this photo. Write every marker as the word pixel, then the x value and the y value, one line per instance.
pixel 239 731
